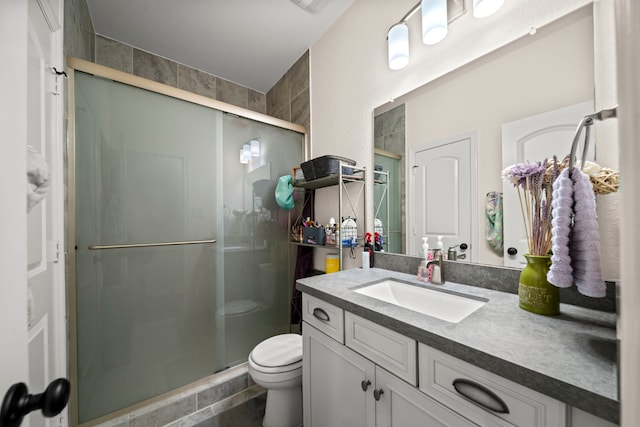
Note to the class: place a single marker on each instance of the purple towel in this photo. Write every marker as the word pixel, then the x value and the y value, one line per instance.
pixel 575 237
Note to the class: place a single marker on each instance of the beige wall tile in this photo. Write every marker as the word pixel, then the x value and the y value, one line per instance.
pixel 155 68
pixel 114 54
pixel 196 81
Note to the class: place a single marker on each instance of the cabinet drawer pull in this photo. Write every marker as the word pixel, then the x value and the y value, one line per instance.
pixel 377 393
pixel 365 384
pixel 320 314
pixel 480 395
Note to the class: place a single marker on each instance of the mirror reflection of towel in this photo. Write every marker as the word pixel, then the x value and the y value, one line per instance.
pixel 37 177
pixel 493 211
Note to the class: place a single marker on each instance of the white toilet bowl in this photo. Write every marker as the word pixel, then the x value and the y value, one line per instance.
pixel 276 365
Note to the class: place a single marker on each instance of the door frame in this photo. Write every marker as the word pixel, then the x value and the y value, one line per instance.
pixel 475 203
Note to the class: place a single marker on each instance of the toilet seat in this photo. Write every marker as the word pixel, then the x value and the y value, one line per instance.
pixel 238 308
pixel 281 353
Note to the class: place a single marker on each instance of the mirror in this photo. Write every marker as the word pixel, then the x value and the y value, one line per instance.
pixel 550 69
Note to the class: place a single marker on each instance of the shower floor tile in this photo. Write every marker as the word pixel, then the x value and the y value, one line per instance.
pixel 249 414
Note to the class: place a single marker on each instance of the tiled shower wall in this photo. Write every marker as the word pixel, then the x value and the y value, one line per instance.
pixel 287 100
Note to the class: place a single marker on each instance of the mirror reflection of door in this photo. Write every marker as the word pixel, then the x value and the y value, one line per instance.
pixel 534 139
pixel 444 179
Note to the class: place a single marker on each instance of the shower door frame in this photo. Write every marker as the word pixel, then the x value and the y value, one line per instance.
pixel 76 64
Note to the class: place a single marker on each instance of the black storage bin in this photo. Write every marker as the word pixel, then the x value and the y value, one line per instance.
pixel 324 166
pixel 313 235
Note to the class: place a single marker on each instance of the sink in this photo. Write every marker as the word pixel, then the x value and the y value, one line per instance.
pixel 444 305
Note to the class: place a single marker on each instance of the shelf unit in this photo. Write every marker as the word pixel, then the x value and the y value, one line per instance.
pixel 351 196
pixel 381 204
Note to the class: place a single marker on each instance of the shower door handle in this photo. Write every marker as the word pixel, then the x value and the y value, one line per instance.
pixel 149 245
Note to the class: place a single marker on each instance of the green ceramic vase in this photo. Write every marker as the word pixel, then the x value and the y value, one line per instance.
pixel 535 293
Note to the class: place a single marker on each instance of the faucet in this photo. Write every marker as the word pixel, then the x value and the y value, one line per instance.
pixel 437 275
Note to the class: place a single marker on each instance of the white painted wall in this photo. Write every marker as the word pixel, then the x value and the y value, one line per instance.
pixel 350 76
pixel 550 70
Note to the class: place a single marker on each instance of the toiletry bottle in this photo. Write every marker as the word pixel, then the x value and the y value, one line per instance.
pixel 368 248
pixel 423 272
pixel 440 246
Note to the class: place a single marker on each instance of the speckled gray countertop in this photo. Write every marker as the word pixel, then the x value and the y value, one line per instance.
pixel 570 357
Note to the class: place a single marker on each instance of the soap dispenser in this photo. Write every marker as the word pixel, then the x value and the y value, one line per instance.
pixel 440 246
pixel 424 269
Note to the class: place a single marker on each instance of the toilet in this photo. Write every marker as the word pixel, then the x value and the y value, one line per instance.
pixel 276 365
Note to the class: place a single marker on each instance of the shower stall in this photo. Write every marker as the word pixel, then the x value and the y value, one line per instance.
pixel 182 257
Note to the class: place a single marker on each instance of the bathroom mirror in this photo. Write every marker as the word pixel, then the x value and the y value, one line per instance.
pixel 549 69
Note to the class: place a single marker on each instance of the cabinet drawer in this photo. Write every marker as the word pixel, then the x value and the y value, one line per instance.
pixel 391 350
pixel 444 378
pixel 326 317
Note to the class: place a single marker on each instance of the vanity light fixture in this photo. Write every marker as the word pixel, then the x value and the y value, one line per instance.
pixel 436 16
pixel 243 159
pixel 255 147
pixel 484 8
pixel 434 21
pixel 398 40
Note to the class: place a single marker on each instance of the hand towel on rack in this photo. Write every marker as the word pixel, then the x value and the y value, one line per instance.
pixel 575 236
pixel 561 273
pixel 493 211
pixel 585 238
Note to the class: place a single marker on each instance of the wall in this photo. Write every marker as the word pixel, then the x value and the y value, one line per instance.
pixel 288 99
pixel 350 79
pixel 550 70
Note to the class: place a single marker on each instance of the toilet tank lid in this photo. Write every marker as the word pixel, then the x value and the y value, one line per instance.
pixel 280 350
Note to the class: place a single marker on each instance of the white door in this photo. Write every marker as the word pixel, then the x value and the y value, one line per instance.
pixel 534 139
pixel 33 319
pixel 444 178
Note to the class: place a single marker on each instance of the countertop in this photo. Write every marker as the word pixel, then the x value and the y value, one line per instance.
pixel 571 357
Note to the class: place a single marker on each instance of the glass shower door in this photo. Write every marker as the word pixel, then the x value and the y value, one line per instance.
pixel 147 270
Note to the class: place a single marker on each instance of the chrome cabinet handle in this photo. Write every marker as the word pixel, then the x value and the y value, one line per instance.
pixel 480 395
pixel 377 393
pixel 365 384
pixel 320 314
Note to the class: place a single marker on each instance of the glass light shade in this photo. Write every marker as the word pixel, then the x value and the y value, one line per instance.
pixel 243 160
pixel 484 8
pixel 255 147
pixel 246 151
pixel 398 42
pixel 434 21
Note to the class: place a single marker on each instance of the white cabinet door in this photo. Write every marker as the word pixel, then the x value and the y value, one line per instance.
pixel 401 405
pixel 337 383
pixel 580 418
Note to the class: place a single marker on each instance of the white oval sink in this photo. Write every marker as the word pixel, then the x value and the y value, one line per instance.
pixel 446 306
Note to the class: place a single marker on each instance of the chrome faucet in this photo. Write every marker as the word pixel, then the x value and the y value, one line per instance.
pixel 437 274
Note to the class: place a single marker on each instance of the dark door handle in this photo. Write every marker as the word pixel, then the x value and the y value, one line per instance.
pixel 512 251
pixel 480 395
pixel 320 314
pixel 18 402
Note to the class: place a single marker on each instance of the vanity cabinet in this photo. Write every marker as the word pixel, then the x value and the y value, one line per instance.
pixel 343 388
pixel 359 373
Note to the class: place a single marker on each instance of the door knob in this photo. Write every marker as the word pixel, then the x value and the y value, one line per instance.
pixel 18 402
pixel 512 251
pixel 377 393
pixel 464 246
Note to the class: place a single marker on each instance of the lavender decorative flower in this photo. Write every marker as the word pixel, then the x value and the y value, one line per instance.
pixel 534 183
